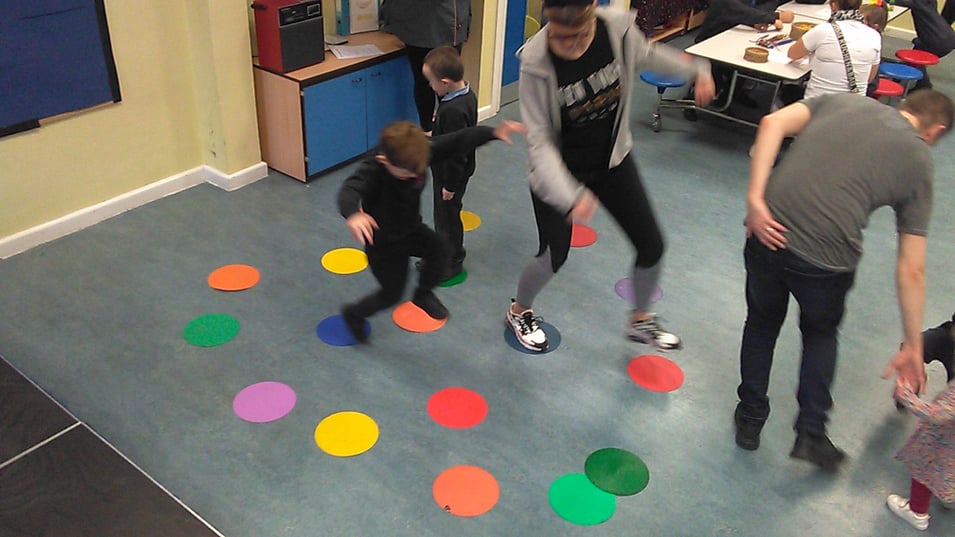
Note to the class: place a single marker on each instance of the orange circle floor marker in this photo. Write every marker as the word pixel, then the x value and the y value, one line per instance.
pixel 414 319
pixel 233 278
pixel 466 491
pixel 345 260
pixel 470 221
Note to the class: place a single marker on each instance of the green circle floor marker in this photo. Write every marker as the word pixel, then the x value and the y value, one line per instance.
pixel 577 500
pixel 455 280
pixel 211 329
pixel 617 471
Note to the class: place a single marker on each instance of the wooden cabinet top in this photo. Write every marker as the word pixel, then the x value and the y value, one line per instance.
pixel 332 66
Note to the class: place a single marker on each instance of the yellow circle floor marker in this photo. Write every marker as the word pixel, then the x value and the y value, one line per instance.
pixel 470 220
pixel 345 260
pixel 345 434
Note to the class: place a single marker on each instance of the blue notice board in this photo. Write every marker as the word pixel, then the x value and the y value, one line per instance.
pixel 56 58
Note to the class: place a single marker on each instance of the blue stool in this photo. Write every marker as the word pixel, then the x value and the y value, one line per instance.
pixel 905 74
pixel 661 82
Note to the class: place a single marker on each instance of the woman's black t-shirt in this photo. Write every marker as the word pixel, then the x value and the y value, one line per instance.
pixel 589 90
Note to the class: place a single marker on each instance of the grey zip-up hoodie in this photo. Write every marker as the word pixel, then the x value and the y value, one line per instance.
pixel 549 177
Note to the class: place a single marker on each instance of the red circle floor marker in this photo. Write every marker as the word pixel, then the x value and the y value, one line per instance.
pixel 655 373
pixel 582 235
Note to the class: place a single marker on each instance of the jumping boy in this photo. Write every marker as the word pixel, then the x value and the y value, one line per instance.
pixel 381 202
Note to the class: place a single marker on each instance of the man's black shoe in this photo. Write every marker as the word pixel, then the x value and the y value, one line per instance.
pixel 427 301
pixel 355 324
pixel 747 431
pixel 817 449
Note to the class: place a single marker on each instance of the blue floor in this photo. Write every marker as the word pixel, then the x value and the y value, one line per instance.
pixel 96 319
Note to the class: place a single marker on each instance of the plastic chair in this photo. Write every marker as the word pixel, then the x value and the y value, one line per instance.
pixel 904 74
pixel 888 88
pixel 661 82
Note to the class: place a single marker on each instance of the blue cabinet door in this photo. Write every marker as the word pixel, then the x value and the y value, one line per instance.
pixel 389 96
pixel 335 125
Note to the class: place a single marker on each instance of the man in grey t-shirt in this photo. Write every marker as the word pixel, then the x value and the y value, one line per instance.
pixel 804 227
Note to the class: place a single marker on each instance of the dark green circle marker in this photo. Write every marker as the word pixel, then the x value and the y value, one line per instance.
pixel 577 500
pixel 617 471
pixel 455 280
pixel 211 329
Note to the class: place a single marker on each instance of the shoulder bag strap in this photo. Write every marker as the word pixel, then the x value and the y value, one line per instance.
pixel 850 72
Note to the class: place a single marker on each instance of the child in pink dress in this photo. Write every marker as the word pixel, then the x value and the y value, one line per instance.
pixel 929 455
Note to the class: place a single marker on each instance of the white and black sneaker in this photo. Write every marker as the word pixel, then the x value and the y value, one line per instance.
pixel 526 328
pixel 650 332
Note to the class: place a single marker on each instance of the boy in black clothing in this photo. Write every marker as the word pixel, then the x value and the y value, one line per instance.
pixel 457 109
pixel 381 202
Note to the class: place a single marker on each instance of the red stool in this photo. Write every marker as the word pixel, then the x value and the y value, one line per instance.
pixel 888 88
pixel 916 58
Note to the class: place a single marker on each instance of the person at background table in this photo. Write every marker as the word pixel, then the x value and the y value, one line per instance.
pixel 830 72
pixel 804 232
pixel 721 15
pixel 423 25
pixel 875 16
pixel 933 32
pixel 575 91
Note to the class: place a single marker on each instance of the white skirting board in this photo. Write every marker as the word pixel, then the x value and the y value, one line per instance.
pixel 43 233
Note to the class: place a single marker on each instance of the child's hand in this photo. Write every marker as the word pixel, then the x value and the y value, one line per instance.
pixel 362 226
pixel 505 129
pixel 446 194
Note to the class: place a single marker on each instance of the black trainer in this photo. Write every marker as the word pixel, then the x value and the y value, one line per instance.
pixel 817 449
pixel 354 323
pixel 427 301
pixel 747 431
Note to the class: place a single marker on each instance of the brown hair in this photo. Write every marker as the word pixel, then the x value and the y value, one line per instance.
pixel 445 62
pixel 405 145
pixel 930 107
pixel 574 15
pixel 876 16
pixel 847 5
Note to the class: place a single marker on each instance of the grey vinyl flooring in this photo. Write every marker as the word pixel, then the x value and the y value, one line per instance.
pixel 96 320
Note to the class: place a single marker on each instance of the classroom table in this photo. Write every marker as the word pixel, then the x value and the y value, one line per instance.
pixel 821 12
pixel 728 48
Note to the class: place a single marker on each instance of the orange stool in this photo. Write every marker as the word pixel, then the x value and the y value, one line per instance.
pixel 888 88
pixel 916 58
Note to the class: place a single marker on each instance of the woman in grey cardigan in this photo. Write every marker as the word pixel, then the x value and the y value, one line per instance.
pixel 575 88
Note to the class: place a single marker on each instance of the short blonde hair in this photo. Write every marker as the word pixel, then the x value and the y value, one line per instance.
pixel 405 145
pixel 930 107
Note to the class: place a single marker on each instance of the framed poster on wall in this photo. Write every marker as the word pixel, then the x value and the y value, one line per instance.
pixel 56 58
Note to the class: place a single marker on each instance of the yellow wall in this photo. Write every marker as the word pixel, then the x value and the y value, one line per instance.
pixel 186 84
pixel 187 100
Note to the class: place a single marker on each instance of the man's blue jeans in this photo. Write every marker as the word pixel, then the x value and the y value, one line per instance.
pixel 771 276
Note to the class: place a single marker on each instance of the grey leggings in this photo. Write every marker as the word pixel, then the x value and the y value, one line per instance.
pixel 622 194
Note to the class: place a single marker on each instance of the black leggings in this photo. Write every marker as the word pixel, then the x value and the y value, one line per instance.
pixel 621 192
pixel 424 97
